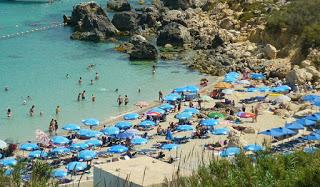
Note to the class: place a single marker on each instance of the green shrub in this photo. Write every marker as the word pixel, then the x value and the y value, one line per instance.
pixel 310 37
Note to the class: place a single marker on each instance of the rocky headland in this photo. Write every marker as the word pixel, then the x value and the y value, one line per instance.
pixel 212 36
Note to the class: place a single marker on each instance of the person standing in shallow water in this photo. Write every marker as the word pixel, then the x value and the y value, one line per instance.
pixel 58 110
pixel 119 100
pixel 97 76
pixel 79 97
pixel 32 110
pixel 126 100
pixel 153 69
pixel 9 113
pixel 93 98
pixel 160 96
pixel 80 81
pixel 83 95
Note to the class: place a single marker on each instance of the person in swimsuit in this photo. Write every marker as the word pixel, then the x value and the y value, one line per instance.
pixel 32 110
pixel 79 97
pixel 91 82
pixel 97 76
pixel 9 113
pixel 58 110
pixel 126 100
pixel 83 95
pixel 80 81
pixel 120 100
pixel 93 98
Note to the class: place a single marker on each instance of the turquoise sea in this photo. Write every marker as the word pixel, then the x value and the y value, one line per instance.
pixel 35 64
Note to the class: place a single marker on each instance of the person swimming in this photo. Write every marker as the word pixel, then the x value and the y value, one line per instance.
pixel 90 66
pixel 9 113
pixel 80 80
pixel 116 90
pixel 6 88
pixel 24 102
pixel 67 76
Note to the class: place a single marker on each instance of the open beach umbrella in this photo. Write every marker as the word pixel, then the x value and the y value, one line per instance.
pixel 87 155
pixel 131 116
pixel 42 138
pixel 306 122
pixel 158 110
pixel 59 173
pixel 71 127
pixel 252 89
pixel 230 151
pixel 38 154
pixel 172 97
pixel 154 114
pixel 169 146
pixel 192 89
pixel 221 131
pixel 313 117
pixel 93 143
pixel 166 107
pixel 245 115
pixel 139 141
pixel 209 122
pixel 90 122
pixel 147 123
pixel 294 126
pixel 223 85
pixel 28 147
pixel 193 111
pixel 227 91
pixel 279 89
pixel 271 133
pixel 183 116
pixel 311 98
pixel 111 131
pixel 117 149
pixel 78 146
pixel 76 166
pixel 3 144
pixel 230 79
pixel 60 150
pixel 180 90
pixel 185 128
pixel 264 89
pixel 316 103
pixel 253 147
pixel 215 115
pixel 87 133
pixel 59 140
pixel 125 135
pixel 257 76
pixel 123 125
pixel 312 137
pixel 284 131
pixel 10 161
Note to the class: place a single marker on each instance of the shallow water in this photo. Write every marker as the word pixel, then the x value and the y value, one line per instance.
pixel 35 64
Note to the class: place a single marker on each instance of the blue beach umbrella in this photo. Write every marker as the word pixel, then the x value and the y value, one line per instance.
pixel 221 131
pixel 76 166
pixel 87 155
pixel 185 128
pixel 117 149
pixel 93 143
pixel 147 123
pixel 78 146
pixel 131 116
pixel 60 140
pixel 313 117
pixel 87 133
pixel 257 76
pixel 311 98
pixel 294 126
pixel 193 111
pixel 312 137
pixel 180 90
pixel 192 89
pixel 230 79
pixel 253 148
pixel 125 135
pixel 209 122
pixel 252 89
pixel 123 125
pixel 166 107
pixel 8 172
pixel 316 103
pixel 29 147
pixel 71 127
pixel 306 122
pixel 284 131
pixel 111 131
pixel 271 133
pixel 90 122
pixel 230 151
pixel 38 154
pixel 158 110
pixel 169 146
pixel 60 150
pixel 10 161
pixel 183 116
pixel 59 173
pixel 172 97
pixel 264 89
pixel 139 141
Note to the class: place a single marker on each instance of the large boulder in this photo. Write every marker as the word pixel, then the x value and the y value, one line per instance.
pixel 270 51
pixel 142 49
pixel 119 5
pixel 83 9
pixel 298 76
pixel 173 16
pixel 217 41
pixel 174 34
pixel 149 17
pixel 125 21
pixel 178 4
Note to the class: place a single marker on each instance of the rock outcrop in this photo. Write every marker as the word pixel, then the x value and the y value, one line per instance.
pixel 177 4
pixel 81 10
pixel 270 51
pixel 298 76
pixel 125 21
pixel 119 5
pixel 174 34
pixel 142 49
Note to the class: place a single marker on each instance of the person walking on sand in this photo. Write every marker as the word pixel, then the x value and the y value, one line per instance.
pixel 32 110
pixel 55 127
pixel 9 113
pixel 97 76
pixel 243 109
pixel 119 100
pixel 126 100
pixel 80 81
pixel 93 98
pixel 58 110
pixel 83 95
pixel 160 96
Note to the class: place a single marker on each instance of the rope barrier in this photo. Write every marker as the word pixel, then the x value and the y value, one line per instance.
pixel 8 36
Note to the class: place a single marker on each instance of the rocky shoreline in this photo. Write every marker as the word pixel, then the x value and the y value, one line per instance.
pixel 206 35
